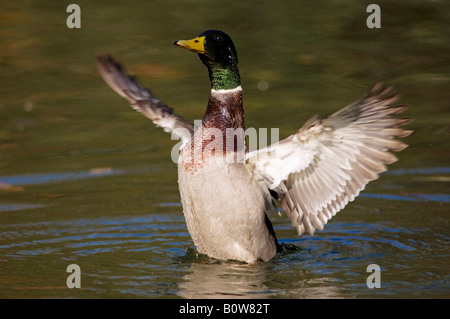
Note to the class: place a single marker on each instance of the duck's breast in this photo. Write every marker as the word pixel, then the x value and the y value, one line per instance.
pixel 225 211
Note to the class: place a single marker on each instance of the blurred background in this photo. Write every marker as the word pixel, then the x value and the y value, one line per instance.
pixel 84 179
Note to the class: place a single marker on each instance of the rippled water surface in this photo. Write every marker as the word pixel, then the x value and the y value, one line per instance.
pixel 86 180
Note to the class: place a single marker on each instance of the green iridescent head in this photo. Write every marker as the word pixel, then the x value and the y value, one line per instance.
pixel 216 50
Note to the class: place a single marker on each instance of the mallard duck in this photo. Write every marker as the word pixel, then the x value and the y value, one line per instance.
pixel 312 174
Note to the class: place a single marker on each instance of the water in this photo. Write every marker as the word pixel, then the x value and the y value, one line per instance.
pixel 85 180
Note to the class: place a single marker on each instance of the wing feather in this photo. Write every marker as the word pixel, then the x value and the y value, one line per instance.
pixel 141 99
pixel 328 162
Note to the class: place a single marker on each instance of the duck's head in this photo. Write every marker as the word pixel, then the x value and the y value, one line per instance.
pixel 216 50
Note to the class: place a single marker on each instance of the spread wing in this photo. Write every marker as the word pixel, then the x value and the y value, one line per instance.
pixel 318 170
pixel 141 99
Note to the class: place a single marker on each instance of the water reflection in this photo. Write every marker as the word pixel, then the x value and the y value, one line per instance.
pixel 226 280
pixel 41 179
pixel 19 206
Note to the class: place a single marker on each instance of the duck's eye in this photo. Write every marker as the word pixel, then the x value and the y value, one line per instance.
pixel 219 38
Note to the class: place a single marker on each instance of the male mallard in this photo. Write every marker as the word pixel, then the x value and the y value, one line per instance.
pixel 313 173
